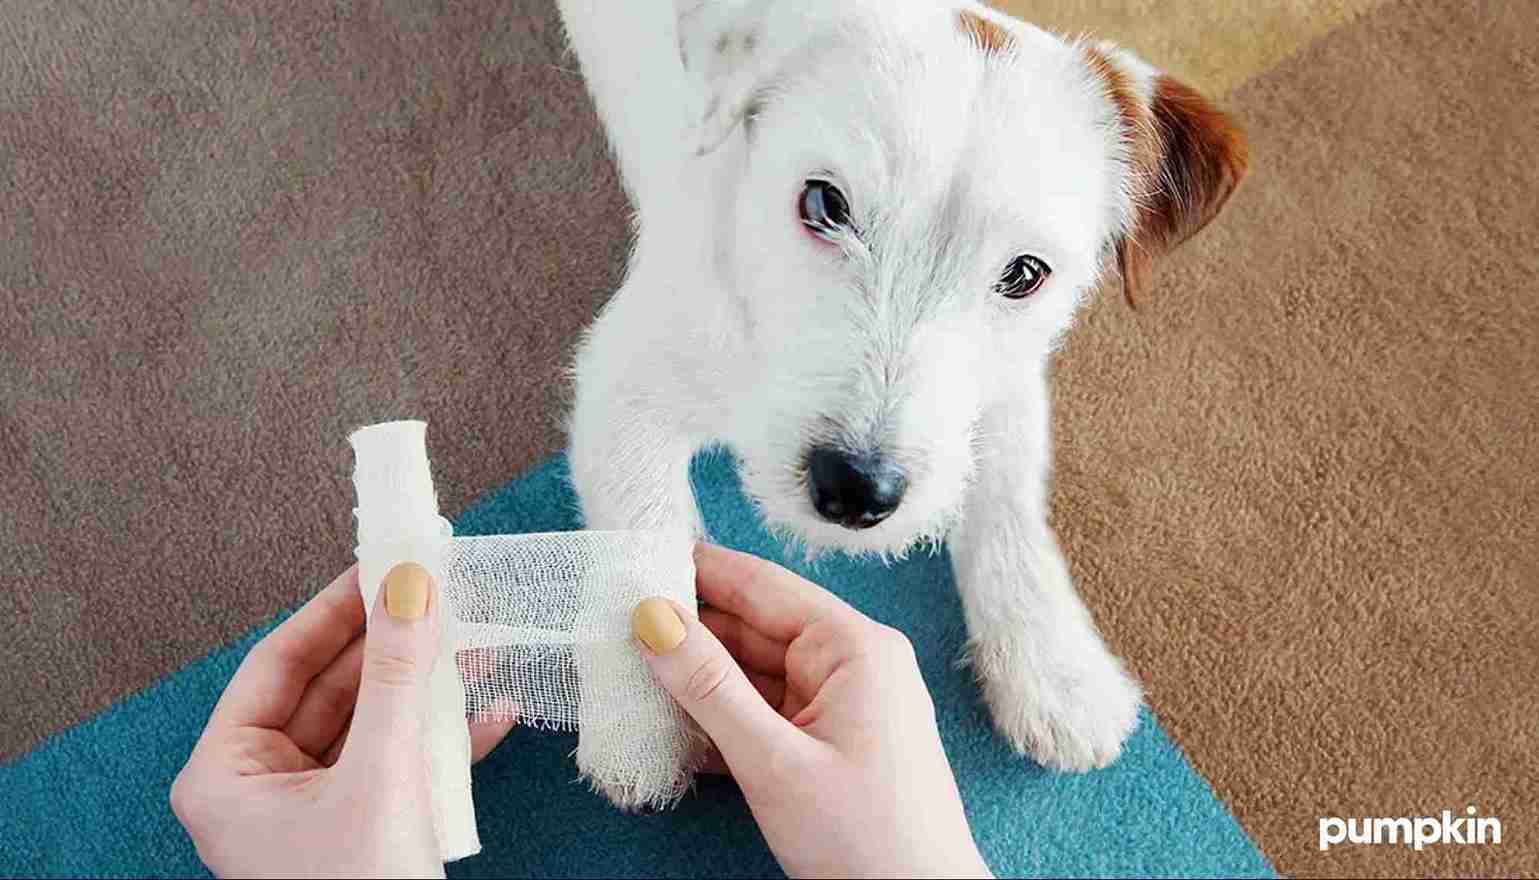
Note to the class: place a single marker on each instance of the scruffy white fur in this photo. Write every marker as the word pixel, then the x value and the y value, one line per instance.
pixel 736 326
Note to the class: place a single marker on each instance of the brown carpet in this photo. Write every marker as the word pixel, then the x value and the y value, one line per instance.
pixel 1301 486
pixel 228 239
pixel 1298 487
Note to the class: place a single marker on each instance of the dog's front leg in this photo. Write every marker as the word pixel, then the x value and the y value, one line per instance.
pixel 629 463
pixel 1055 690
pixel 629 448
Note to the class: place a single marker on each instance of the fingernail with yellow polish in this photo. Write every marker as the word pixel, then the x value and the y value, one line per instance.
pixel 406 591
pixel 657 625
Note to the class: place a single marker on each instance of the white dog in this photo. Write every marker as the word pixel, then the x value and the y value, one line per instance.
pixel 861 227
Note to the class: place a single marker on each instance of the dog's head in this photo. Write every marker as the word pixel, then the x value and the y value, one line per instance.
pixel 914 202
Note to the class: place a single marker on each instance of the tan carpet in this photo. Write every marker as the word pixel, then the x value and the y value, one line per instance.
pixel 1298 487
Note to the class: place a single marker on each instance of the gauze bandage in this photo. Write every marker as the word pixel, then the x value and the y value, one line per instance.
pixel 534 627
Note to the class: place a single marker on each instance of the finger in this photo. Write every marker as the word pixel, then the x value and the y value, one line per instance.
pixel 328 702
pixel 823 649
pixel 270 681
pixel 485 735
pixel 258 751
pixel 712 762
pixel 772 689
pixel 697 671
pixel 489 724
pixel 753 650
pixel 399 651
pixel 776 602
pixel 334 750
pixel 791 705
pixel 477 664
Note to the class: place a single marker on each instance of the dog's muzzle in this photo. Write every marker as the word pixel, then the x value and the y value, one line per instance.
pixel 855 491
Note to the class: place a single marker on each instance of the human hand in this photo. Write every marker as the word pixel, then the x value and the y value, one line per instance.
pixel 821 716
pixel 314 761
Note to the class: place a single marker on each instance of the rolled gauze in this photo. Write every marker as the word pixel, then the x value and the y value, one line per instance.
pixel 535 627
pixel 398 522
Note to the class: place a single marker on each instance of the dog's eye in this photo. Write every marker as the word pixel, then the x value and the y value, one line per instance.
pixel 1024 276
pixel 823 208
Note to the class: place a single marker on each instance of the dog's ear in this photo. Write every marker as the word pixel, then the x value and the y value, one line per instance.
pixel 727 48
pixel 1186 159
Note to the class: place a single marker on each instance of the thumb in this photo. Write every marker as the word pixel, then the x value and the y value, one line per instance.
pixel 693 666
pixel 399 649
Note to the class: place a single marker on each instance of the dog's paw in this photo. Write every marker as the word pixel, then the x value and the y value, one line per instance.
pixel 1068 711
pixel 624 797
pixel 639 794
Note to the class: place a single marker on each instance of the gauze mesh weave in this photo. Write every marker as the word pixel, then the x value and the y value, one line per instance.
pixel 538 627
pixel 543 627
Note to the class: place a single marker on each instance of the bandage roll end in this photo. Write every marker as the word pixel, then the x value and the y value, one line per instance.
pixel 398 521
pixel 393 482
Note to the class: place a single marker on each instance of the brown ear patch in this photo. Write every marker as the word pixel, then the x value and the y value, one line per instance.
pixel 1187 157
pixel 1120 90
pixel 1202 157
pixel 989 36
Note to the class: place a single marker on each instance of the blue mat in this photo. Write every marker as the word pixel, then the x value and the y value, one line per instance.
pixel 91 801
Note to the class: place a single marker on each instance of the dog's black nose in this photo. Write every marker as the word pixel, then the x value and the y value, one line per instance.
pixel 856 491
